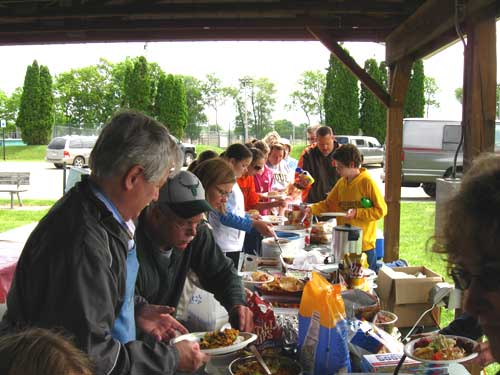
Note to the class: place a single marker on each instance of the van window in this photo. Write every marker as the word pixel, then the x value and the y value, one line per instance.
pixel 57 143
pixel 360 142
pixel 75 143
pixel 88 143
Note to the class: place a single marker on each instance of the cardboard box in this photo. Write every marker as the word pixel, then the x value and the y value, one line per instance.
pixel 407 296
pixel 386 363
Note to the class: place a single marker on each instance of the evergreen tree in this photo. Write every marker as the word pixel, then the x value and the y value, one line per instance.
pixel 30 104
pixel 137 86
pixel 372 114
pixel 46 109
pixel 415 98
pixel 341 99
pixel 171 107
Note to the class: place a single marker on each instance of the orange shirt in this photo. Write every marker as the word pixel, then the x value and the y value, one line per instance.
pixel 247 186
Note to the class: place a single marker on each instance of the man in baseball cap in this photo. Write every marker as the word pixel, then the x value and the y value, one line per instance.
pixel 173 238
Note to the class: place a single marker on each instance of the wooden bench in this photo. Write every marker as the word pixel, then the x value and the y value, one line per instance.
pixel 14 183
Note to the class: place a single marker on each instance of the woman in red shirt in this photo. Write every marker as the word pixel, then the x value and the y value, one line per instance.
pixel 247 185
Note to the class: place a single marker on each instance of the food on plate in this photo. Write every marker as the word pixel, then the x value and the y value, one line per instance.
pixel 274 194
pixel 219 339
pixel 276 365
pixel 288 259
pixel 284 284
pixel 257 276
pixel 321 233
pixel 253 212
pixel 441 348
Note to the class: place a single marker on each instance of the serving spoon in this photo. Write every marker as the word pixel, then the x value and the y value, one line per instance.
pixel 259 358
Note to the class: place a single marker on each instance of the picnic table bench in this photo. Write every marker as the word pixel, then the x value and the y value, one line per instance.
pixel 14 183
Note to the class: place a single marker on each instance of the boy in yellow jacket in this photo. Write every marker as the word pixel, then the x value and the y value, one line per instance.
pixel 356 194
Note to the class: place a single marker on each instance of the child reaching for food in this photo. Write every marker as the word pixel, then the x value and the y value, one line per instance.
pixel 356 194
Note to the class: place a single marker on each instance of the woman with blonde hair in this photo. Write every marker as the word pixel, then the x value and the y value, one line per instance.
pixel 38 351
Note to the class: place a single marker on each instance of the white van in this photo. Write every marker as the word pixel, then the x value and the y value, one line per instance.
pixel 369 147
pixel 428 150
pixel 70 149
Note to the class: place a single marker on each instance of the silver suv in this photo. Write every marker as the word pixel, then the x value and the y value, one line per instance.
pixel 369 147
pixel 72 149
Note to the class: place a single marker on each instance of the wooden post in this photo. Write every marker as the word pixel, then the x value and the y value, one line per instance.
pixel 479 94
pixel 398 86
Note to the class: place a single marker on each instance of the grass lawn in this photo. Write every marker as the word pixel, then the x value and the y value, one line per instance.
pixel 201 148
pixel 24 153
pixel 10 219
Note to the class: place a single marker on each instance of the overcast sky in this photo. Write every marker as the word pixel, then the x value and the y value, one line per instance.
pixel 281 62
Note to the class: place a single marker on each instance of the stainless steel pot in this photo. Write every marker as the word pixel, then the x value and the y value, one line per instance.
pixel 293 367
pixel 346 240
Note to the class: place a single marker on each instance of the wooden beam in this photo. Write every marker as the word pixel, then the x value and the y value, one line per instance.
pixel 428 28
pixel 372 85
pixel 398 86
pixel 479 95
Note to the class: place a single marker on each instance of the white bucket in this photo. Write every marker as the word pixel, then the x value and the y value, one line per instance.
pixel 270 248
pixel 297 229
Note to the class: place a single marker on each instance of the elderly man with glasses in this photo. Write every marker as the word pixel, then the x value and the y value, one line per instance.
pixel 173 238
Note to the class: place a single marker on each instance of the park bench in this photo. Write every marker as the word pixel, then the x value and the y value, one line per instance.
pixel 14 183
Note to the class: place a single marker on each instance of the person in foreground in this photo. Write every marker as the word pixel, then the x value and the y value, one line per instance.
pixel 173 238
pixel 348 195
pixel 471 239
pixel 78 269
pixel 38 351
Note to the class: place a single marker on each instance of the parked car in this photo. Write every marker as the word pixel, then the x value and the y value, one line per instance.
pixel 370 147
pixel 70 149
pixel 429 148
pixel 188 151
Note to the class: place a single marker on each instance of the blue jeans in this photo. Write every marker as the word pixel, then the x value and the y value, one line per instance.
pixel 372 259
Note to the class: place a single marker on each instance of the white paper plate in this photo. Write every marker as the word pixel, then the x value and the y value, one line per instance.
pixel 276 196
pixel 243 340
pixel 409 349
pixel 333 214
pixel 251 282
pixel 274 219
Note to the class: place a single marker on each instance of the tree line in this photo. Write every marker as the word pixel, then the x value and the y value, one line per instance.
pixel 87 97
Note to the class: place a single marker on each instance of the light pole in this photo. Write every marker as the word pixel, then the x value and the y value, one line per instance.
pixel 244 82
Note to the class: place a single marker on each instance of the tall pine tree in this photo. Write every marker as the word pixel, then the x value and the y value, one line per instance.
pixel 46 114
pixel 341 99
pixel 137 86
pixel 372 114
pixel 171 105
pixel 415 98
pixel 36 110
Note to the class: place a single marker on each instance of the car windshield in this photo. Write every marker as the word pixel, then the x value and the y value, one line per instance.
pixel 342 140
pixel 57 144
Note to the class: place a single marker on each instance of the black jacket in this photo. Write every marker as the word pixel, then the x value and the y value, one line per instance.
pixel 71 275
pixel 323 172
pixel 161 279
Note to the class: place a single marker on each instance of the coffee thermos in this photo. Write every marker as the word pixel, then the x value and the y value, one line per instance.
pixel 346 240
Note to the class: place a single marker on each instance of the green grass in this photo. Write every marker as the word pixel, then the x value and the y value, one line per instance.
pixel 30 202
pixel 24 153
pixel 201 148
pixel 297 150
pixel 10 219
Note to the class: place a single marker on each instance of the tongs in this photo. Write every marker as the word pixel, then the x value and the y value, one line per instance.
pixel 277 240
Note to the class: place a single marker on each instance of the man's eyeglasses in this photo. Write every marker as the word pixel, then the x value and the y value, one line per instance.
pixel 223 193
pixel 257 167
pixel 488 278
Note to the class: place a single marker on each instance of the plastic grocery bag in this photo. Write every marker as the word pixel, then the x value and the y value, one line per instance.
pixel 323 329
